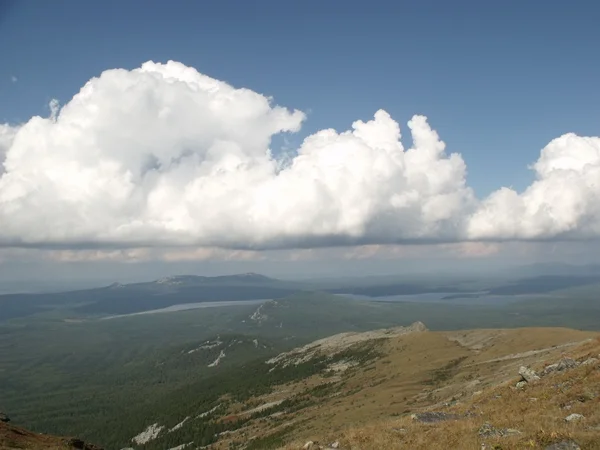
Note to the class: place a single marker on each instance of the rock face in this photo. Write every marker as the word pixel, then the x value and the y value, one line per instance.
pixel 528 374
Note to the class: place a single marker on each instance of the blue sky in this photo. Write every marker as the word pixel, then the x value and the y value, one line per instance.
pixel 497 81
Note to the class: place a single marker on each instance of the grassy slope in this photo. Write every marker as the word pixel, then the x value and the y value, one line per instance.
pixel 538 412
pixel 418 371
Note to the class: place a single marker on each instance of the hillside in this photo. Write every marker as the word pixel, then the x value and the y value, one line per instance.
pixel 13 437
pixel 370 390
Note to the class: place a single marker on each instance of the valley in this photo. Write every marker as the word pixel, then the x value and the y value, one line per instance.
pixel 221 374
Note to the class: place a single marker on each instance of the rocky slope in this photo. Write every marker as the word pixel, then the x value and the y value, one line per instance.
pixel 546 398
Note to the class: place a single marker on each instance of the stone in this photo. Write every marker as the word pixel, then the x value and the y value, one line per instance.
pixel 521 384
pixel 590 362
pixel 336 444
pixel 563 445
pixel 433 417
pixel 566 363
pixel 528 374
pixel 574 417
pixel 549 369
pixel 4 417
pixel 310 445
pixel 487 430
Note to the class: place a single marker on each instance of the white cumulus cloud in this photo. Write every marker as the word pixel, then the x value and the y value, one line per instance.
pixel 165 156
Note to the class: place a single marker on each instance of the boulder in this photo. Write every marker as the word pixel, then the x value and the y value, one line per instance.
pixel 528 374
pixel 4 417
pixel 590 362
pixel 310 445
pixel 574 417
pixel 489 431
pixel 521 384
pixel 549 369
pixel 563 445
pixel 566 363
pixel 434 416
pixel 336 444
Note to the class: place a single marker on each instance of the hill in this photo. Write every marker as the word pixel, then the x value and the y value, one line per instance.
pixel 13 437
pixel 405 388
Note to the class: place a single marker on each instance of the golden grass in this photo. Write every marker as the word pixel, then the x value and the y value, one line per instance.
pixel 538 411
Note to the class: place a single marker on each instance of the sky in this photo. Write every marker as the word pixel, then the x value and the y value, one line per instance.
pixel 296 136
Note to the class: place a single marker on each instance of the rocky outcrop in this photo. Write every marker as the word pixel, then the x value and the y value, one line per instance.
pixel 337 343
pixel 564 364
pixel 149 434
pixel 528 375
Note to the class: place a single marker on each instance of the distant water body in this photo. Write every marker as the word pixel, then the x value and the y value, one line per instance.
pixel 186 306
pixel 465 298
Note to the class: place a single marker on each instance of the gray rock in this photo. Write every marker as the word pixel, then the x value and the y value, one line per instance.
pixel 521 384
pixel 574 417
pixel 4 417
pixel 310 445
pixel 528 374
pixel 590 362
pixel 433 417
pixel 488 431
pixel 563 445
pixel 549 369
pixel 336 444
pixel 566 363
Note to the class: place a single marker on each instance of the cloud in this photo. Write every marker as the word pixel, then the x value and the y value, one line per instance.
pixel 13 79
pixel 563 202
pixel 163 156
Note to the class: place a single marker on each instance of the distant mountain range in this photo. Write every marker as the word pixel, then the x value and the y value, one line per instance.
pixel 118 299
pixel 136 297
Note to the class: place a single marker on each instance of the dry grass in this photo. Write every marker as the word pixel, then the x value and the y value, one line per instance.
pixel 13 438
pixel 538 411
pixel 425 371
